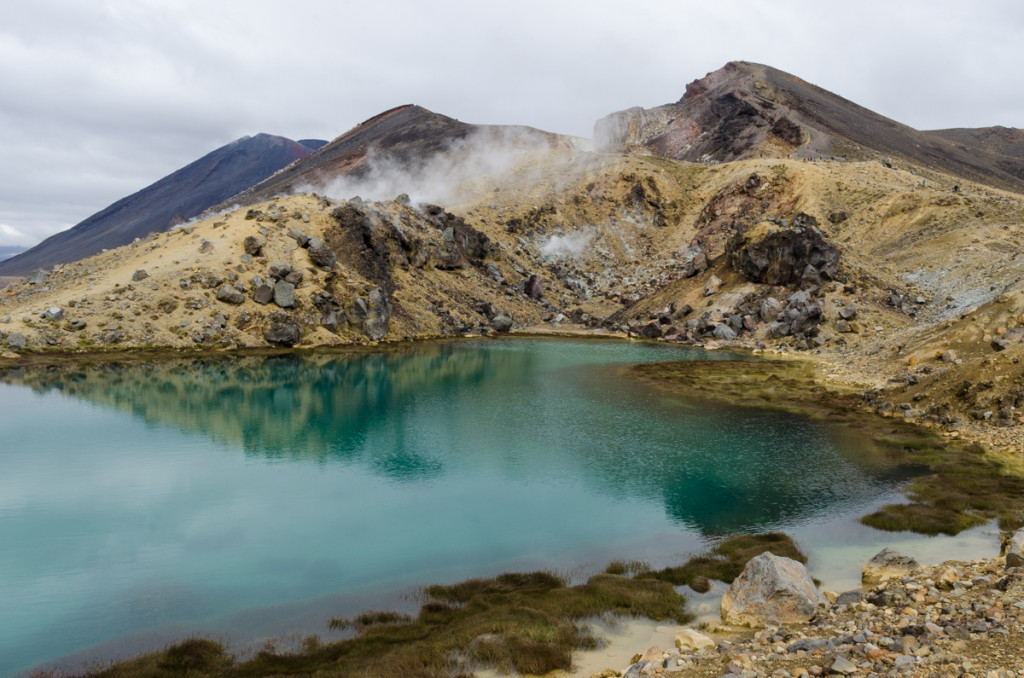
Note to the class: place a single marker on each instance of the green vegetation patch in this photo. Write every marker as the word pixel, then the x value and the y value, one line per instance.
pixel 726 561
pixel 960 486
pixel 526 623
pixel 965 488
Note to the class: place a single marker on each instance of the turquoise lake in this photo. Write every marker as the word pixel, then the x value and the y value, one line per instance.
pixel 248 498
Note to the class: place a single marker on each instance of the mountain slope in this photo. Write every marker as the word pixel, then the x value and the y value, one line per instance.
pixel 401 140
pixel 173 199
pixel 747 110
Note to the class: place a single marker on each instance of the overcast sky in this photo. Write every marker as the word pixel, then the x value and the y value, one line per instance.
pixel 99 99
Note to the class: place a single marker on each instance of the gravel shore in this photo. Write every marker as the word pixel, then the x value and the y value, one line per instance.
pixel 955 619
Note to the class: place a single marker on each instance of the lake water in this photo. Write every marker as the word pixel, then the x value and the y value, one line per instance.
pixel 247 498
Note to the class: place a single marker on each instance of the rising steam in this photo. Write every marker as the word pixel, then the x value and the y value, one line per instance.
pixel 447 177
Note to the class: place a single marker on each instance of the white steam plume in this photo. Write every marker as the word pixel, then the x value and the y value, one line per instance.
pixel 571 245
pixel 443 178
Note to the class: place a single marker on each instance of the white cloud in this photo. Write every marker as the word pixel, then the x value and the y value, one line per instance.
pixel 10 236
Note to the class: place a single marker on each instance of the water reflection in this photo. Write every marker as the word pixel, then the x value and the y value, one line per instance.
pixel 526 410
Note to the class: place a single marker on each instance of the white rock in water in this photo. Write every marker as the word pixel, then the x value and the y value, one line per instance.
pixel 771 588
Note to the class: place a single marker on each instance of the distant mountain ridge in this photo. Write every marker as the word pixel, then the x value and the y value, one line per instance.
pixel 174 199
pixel 746 110
pixel 8 252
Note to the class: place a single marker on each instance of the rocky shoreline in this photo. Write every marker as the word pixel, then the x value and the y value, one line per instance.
pixel 957 618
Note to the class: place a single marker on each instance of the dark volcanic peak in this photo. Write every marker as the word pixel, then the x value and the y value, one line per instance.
pixel 402 143
pixel 313 144
pixel 746 110
pixel 166 203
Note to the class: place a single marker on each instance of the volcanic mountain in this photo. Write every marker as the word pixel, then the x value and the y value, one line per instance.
pixel 746 110
pixel 174 199
pixel 403 141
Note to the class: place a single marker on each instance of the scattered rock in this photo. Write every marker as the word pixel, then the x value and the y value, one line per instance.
pixel 712 285
pixel 322 257
pixel 375 312
pixel 533 287
pixel 264 294
pixel 848 312
pixel 501 322
pixel 769 309
pixel 284 294
pixel 694 261
pixel 843 666
pixel 253 245
pixel 16 341
pixel 772 589
pixel 724 332
pixel 38 277
pixel 949 356
pixel 140 275
pixel 690 639
pixel 887 564
pixel 282 329
pixel 279 269
pixel 299 237
pixel 230 294
pixel 54 313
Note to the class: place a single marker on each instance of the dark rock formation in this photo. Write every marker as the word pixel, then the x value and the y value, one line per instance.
pixel 779 255
pixel 282 329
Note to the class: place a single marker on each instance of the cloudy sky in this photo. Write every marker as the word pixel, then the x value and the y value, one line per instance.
pixel 99 98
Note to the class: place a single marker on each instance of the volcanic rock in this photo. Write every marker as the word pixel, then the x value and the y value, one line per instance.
pixel 887 564
pixel 771 589
pixel 775 255
pixel 282 329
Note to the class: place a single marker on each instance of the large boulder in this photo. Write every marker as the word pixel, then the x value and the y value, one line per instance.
pixel 282 329
pixel 1015 549
pixel 375 312
pixel 773 254
pixel 772 589
pixel 887 564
